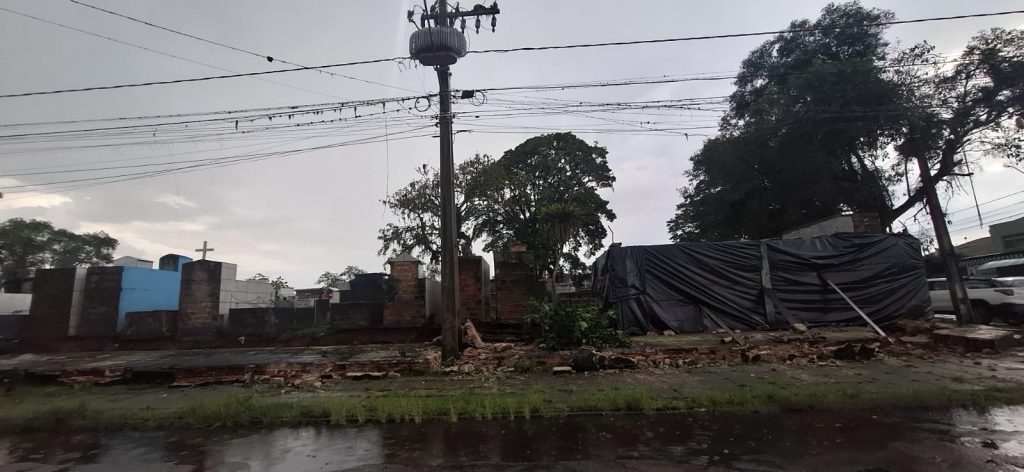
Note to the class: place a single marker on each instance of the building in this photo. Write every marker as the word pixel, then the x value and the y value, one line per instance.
pixel 1005 241
pixel 852 223
pixel 306 297
pixel 209 291
pixel 129 261
pixel 134 286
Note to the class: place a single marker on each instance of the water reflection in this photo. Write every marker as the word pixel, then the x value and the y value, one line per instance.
pixel 858 440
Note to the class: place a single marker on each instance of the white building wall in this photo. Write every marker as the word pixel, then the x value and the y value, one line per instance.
pixel 244 294
pixel 77 299
pixel 15 303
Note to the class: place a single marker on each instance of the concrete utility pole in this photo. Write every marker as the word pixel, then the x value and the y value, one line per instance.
pixel 957 291
pixel 440 46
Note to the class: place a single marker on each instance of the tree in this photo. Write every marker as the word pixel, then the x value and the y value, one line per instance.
pixel 68 249
pixel 543 171
pixel 813 125
pixel 976 106
pixel 418 208
pixel 562 221
pixel 33 244
pixel 277 283
pixel 338 279
pixel 351 272
pixel 24 245
pixel 498 201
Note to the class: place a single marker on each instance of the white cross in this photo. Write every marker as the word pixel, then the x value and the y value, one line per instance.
pixel 204 250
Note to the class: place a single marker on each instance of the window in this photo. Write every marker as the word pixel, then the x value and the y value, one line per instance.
pixel 1013 241
pixel 938 285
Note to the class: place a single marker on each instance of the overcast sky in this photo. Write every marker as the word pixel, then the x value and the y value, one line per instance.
pixel 300 215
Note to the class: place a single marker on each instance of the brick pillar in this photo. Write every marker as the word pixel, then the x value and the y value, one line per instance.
pixel 516 282
pixel 474 288
pixel 409 305
pixel 52 307
pixel 199 300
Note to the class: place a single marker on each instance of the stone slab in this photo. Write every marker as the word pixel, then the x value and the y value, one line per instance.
pixel 976 338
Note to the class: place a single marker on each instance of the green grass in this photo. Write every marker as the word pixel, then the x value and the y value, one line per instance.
pixel 44 408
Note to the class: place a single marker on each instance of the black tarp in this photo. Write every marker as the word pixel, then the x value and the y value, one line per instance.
pixel 654 288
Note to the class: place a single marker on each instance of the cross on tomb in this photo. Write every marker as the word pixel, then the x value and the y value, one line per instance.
pixel 204 250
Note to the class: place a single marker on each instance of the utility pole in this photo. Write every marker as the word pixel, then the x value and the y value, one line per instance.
pixel 957 291
pixel 440 46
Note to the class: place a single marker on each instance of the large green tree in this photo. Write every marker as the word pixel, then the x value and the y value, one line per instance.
pixel 814 125
pixel 418 208
pixel 501 201
pixel 34 244
pixel 543 171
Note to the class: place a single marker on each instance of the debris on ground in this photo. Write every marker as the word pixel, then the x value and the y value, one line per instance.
pixel 854 352
pixel 912 327
pixel 307 367
pixel 561 370
pixel 471 336
pixel 365 375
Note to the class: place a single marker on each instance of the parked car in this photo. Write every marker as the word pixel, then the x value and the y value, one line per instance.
pixel 990 298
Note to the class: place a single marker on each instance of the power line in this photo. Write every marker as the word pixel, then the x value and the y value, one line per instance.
pixel 201 79
pixel 155 51
pixel 535 48
pixel 215 162
pixel 285 112
pixel 695 78
pixel 985 202
pixel 746 35
pixel 268 57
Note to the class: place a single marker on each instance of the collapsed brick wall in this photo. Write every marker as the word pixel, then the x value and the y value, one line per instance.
pixel 199 300
pixel 474 289
pixel 101 302
pixel 50 313
pixel 516 283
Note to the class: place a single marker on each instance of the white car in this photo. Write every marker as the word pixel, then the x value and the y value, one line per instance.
pixel 990 298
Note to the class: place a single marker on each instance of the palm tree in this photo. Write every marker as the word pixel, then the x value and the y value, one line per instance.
pixel 562 221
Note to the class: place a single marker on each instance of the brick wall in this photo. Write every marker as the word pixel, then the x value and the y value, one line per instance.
pixel 357 314
pixel 199 300
pixel 101 302
pixel 144 325
pixel 516 282
pixel 474 288
pixel 50 313
pixel 408 306
pixel 251 322
pixel 866 223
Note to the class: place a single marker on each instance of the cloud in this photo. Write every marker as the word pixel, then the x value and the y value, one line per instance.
pixel 175 201
pixel 33 200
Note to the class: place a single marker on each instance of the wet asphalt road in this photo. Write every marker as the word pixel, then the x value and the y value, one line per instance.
pixel 834 441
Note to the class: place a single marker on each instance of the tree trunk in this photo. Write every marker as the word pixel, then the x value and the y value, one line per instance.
pixel 554 275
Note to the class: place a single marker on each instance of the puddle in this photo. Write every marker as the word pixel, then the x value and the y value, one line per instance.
pixel 834 441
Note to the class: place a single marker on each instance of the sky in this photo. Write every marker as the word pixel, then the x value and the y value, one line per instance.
pixel 299 215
